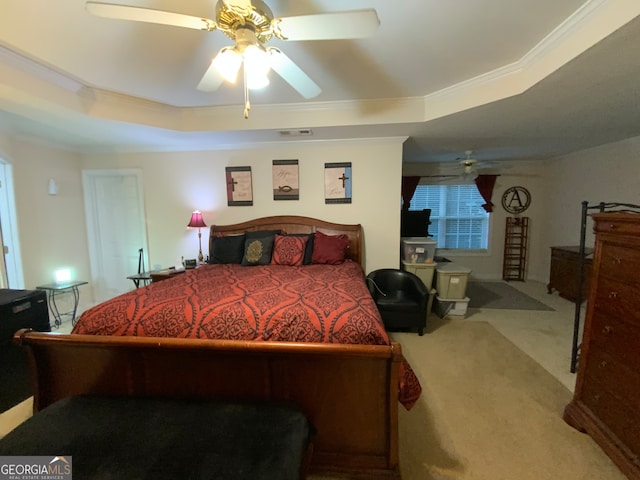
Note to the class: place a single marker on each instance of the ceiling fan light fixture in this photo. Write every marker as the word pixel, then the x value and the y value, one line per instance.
pixel 257 65
pixel 257 82
pixel 251 24
pixel 228 62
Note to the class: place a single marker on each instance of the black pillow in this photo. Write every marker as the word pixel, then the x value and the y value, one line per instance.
pixel 308 249
pixel 258 247
pixel 227 249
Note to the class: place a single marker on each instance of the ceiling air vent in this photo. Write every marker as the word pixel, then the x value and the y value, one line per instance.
pixel 303 132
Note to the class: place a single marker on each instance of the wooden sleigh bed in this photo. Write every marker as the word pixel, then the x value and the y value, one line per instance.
pixel 349 385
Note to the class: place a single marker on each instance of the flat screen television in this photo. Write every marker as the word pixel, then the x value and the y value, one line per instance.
pixel 415 223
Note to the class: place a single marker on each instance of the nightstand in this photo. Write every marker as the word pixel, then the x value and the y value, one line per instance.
pixel 159 275
pixel 58 288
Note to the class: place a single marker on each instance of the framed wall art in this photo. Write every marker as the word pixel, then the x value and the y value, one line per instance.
pixel 337 182
pixel 285 180
pixel 239 187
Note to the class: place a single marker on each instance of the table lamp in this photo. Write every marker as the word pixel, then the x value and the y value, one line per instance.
pixel 198 222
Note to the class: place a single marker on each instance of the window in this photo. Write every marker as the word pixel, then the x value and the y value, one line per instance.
pixel 458 220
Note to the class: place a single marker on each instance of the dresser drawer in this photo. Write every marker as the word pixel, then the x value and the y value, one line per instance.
pixel 620 263
pixel 616 377
pixel 619 224
pixel 618 299
pixel 621 420
pixel 615 336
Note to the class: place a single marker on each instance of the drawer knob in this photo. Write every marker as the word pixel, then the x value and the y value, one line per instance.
pixel 613 294
pixel 613 226
pixel 607 329
pixel 603 364
pixel 596 398
pixel 617 260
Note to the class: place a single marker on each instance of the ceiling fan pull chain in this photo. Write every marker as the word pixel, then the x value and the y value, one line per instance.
pixel 247 104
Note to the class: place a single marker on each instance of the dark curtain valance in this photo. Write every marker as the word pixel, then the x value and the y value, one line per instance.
pixel 485 184
pixel 409 185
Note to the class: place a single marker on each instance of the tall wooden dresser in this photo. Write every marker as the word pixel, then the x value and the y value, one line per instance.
pixel 606 402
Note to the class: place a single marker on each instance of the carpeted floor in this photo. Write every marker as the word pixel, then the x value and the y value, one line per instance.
pixel 500 295
pixel 488 412
pixel 14 376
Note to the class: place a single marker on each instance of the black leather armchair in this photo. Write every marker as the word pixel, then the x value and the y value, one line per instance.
pixel 401 298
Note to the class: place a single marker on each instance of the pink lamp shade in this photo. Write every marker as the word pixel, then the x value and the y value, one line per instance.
pixel 196 220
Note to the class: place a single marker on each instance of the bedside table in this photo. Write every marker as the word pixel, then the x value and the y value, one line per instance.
pixel 54 289
pixel 159 275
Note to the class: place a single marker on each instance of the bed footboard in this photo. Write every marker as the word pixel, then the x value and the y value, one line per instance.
pixel 349 392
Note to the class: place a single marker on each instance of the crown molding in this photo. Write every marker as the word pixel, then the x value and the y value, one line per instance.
pixel 588 25
pixel 592 22
pixel 307 142
pixel 311 115
pixel 215 145
pixel 39 70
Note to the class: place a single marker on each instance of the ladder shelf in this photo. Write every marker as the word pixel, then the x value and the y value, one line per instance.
pixel 515 248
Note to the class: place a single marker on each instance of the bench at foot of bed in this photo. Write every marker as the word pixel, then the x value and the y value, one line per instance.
pixel 160 438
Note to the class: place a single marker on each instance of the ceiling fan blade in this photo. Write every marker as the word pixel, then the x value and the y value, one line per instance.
pixel 287 69
pixel 328 26
pixel 138 14
pixel 211 80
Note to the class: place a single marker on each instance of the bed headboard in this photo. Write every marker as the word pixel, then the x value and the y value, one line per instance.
pixel 298 224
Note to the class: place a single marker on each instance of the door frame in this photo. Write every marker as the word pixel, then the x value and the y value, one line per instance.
pixel 12 272
pixel 96 261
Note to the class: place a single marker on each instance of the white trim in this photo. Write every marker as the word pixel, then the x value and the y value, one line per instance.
pixel 591 23
pixel 13 260
pixel 44 72
pixel 588 25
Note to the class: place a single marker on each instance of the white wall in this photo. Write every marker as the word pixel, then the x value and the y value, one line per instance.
pixel 609 173
pixel 51 229
pixel 532 176
pixel 177 183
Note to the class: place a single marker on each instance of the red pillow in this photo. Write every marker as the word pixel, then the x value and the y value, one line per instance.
pixel 329 249
pixel 288 250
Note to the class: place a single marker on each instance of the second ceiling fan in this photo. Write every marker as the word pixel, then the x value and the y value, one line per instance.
pixel 251 24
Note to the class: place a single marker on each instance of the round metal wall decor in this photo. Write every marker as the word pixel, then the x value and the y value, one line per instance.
pixel 516 200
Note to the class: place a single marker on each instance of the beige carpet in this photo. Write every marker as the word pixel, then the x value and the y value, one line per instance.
pixel 488 412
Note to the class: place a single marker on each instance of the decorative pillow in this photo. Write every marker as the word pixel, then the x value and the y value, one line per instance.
pixel 289 250
pixel 258 247
pixel 227 249
pixel 308 249
pixel 329 249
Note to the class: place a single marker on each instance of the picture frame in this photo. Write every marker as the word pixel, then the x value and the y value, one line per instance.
pixel 285 180
pixel 338 180
pixel 239 186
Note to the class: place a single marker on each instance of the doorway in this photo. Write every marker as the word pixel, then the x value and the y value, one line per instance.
pixel 116 228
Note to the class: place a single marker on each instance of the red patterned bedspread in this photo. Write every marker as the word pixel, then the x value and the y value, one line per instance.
pixel 312 303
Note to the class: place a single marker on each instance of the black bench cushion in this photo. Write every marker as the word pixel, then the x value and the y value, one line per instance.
pixel 136 438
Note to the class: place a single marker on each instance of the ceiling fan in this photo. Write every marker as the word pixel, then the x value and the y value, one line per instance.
pixel 468 163
pixel 251 24
pixel 466 168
